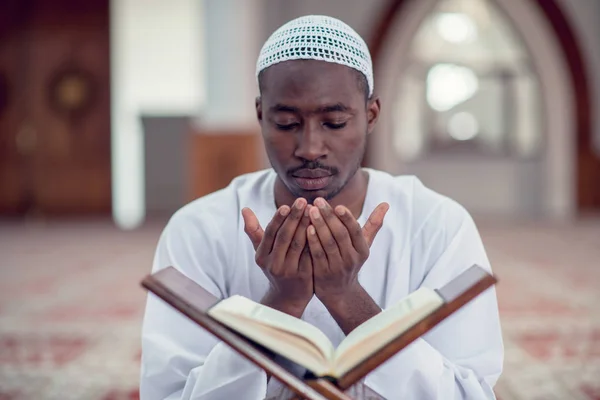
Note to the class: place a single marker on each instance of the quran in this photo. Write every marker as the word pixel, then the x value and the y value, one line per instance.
pixel 251 328
pixel 306 345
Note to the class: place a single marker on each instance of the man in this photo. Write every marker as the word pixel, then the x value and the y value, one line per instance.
pixel 320 238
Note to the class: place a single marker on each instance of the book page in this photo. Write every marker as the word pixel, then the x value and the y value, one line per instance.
pixel 293 347
pixel 382 328
pixel 246 308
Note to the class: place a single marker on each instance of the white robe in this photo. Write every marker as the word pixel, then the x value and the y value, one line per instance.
pixel 426 240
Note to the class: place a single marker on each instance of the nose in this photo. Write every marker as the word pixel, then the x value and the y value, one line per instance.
pixel 311 144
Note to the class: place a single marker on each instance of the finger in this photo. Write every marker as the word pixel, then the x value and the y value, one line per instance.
pixel 252 227
pixel 305 264
pixel 354 230
pixel 375 222
pixel 325 236
pixel 266 245
pixel 337 228
pixel 317 254
pixel 285 234
pixel 298 241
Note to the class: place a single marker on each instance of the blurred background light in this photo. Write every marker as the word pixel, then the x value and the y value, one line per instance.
pixel 449 85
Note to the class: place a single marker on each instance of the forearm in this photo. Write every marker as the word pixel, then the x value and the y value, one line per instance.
pixel 351 309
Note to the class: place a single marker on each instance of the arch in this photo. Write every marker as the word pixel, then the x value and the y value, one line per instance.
pixel 577 152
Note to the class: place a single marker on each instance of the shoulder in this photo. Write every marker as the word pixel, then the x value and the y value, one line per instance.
pixel 201 237
pixel 211 221
pixel 220 207
pixel 422 206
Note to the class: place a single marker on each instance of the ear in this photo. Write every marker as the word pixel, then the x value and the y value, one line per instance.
pixel 258 105
pixel 373 110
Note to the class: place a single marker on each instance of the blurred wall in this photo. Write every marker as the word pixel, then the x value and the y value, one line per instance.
pixel 232 41
pixel 157 67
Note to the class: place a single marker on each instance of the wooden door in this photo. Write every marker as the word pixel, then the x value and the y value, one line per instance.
pixel 588 170
pixel 13 166
pixel 55 122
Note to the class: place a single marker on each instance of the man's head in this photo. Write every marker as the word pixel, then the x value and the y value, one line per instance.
pixel 316 104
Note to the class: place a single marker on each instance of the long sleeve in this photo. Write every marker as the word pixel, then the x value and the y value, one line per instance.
pixel 462 357
pixel 179 359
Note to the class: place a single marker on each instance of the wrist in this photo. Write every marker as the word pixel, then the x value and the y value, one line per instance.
pixel 283 303
pixel 340 296
pixel 352 308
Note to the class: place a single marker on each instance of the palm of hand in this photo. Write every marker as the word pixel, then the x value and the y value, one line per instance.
pixel 308 250
pixel 339 246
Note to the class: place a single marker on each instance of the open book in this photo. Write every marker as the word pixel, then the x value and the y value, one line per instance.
pixel 249 327
pixel 307 346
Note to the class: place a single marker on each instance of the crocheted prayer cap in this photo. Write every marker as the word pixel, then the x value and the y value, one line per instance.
pixel 317 37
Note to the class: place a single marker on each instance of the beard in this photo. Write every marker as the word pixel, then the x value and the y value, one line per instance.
pixel 331 193
pixel 328 193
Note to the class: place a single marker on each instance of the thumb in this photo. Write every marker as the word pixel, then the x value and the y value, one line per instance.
pixel 252 227
pixel 375 222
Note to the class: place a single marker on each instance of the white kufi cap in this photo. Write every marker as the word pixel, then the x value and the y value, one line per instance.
pixel 317 37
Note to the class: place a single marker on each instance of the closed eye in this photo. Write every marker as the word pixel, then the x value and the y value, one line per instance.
pixel 331 125
pixel 286 127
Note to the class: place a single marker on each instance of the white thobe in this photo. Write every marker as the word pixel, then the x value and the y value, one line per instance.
pixel 426 240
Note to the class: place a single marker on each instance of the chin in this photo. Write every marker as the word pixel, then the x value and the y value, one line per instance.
pixel 312 195
pixel 327 193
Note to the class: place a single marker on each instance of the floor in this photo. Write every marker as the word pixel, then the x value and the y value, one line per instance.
pixel 70 309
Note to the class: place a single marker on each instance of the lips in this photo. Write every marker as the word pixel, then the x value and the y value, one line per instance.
pixel 313 183
pixel 315 179
pixel 311 173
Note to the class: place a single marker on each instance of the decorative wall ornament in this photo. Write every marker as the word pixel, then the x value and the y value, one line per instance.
pixel 72 91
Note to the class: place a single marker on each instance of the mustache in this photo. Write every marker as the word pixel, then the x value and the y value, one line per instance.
pixel 313 165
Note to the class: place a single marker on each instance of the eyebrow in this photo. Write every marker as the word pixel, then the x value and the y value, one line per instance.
pixel 284 108
pixel 338 107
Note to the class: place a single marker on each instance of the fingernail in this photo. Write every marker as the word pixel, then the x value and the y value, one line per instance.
pixel 340 211
pixel 311 230
pixel 315 213
pixel 284 211
pixel 320 203
pixel 307 211
pixel 299 203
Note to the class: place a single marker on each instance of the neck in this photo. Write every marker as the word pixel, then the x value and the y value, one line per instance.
pixel 352 196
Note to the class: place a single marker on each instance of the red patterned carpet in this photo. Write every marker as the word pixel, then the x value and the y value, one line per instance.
pixel 71 306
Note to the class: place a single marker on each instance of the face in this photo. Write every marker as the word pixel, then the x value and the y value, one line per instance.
pixel 315 123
